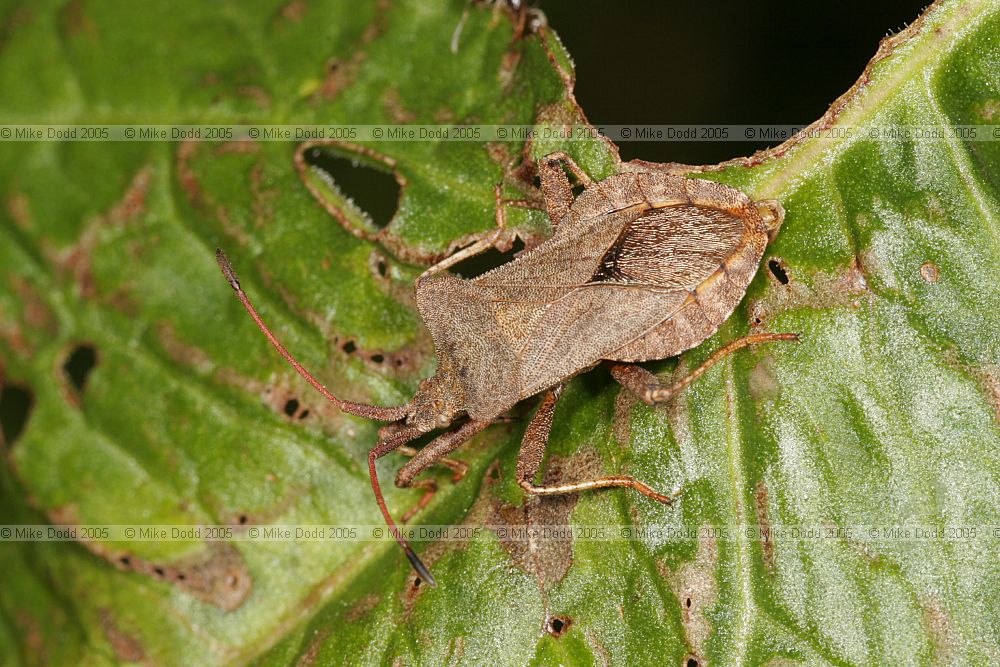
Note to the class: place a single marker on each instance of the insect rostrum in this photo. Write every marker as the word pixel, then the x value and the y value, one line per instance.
pixel 642 265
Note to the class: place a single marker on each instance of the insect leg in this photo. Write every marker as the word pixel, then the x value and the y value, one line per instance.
pixel 529 460
pixel 436 451
pixel 647 386
pixel 578 172
pixel 381 449
pixel 431 454
pixel 480 246
pixel 556 189
pixel 458 468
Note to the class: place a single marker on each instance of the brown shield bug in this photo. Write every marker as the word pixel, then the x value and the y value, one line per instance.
pixel 642 265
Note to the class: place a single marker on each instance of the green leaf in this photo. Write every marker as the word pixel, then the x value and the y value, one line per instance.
pixel 886 414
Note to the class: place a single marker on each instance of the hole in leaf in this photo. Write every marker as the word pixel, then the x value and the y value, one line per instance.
pixel 778 271
pixel 305 413
pixel 691 662
pixel 125 560
pixel 159 571
pixel 373 190
pixel 687 603
pixel 349 347
pixel 382 267
pixel 15 408
pixel 78 365
pixel 291 407
pixel 242 519
pixel 491 259
pixel 378 358
pixel 558 625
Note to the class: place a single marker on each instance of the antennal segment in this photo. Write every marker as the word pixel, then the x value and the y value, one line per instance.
pixel 360 409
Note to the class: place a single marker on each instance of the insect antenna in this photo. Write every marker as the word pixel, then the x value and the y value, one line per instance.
pixel 360 409
pixel 395 442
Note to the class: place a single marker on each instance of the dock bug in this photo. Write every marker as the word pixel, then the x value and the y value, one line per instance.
pixel 642 265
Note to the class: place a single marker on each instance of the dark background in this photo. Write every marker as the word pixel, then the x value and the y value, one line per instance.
pixel 717 61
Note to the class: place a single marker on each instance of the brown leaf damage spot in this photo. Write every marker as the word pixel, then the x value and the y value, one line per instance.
pixel 394 282
pixel 930 272
pixel 219 576
pixel 255 94
pixel 941 630
pixel 216 574
pixel 293 11
pixel 32 638
pixel 762 383
pixel 309 656
pixel 127 647
pixel 778 270
pixel 989 379
pixel 760 500
pixel 133 203
pixel 394 107
pixel 847 288
pixel 697 589
pixel 557 626
pixel 285 395
pixel 75 22
pixel 406 360
pixel 16 19
pixel 342 73
pixel 989 110
pixel 625 401
pixel 348 214
pixel 362 607
pixel 339 75
pixel 37 323
pixel 187 151
pixel 263 197
pixel 314 162
pixel 548 559
pixel 180 352
pixel 19 209
pixel 75 261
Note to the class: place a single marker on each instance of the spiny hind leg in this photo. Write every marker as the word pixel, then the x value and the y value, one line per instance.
pixel 648 387
pixel 529 460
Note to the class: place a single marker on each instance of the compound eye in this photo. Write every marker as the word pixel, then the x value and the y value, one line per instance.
pixel 443 420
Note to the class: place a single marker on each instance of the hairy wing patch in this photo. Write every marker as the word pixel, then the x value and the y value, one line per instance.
pixel 676 247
